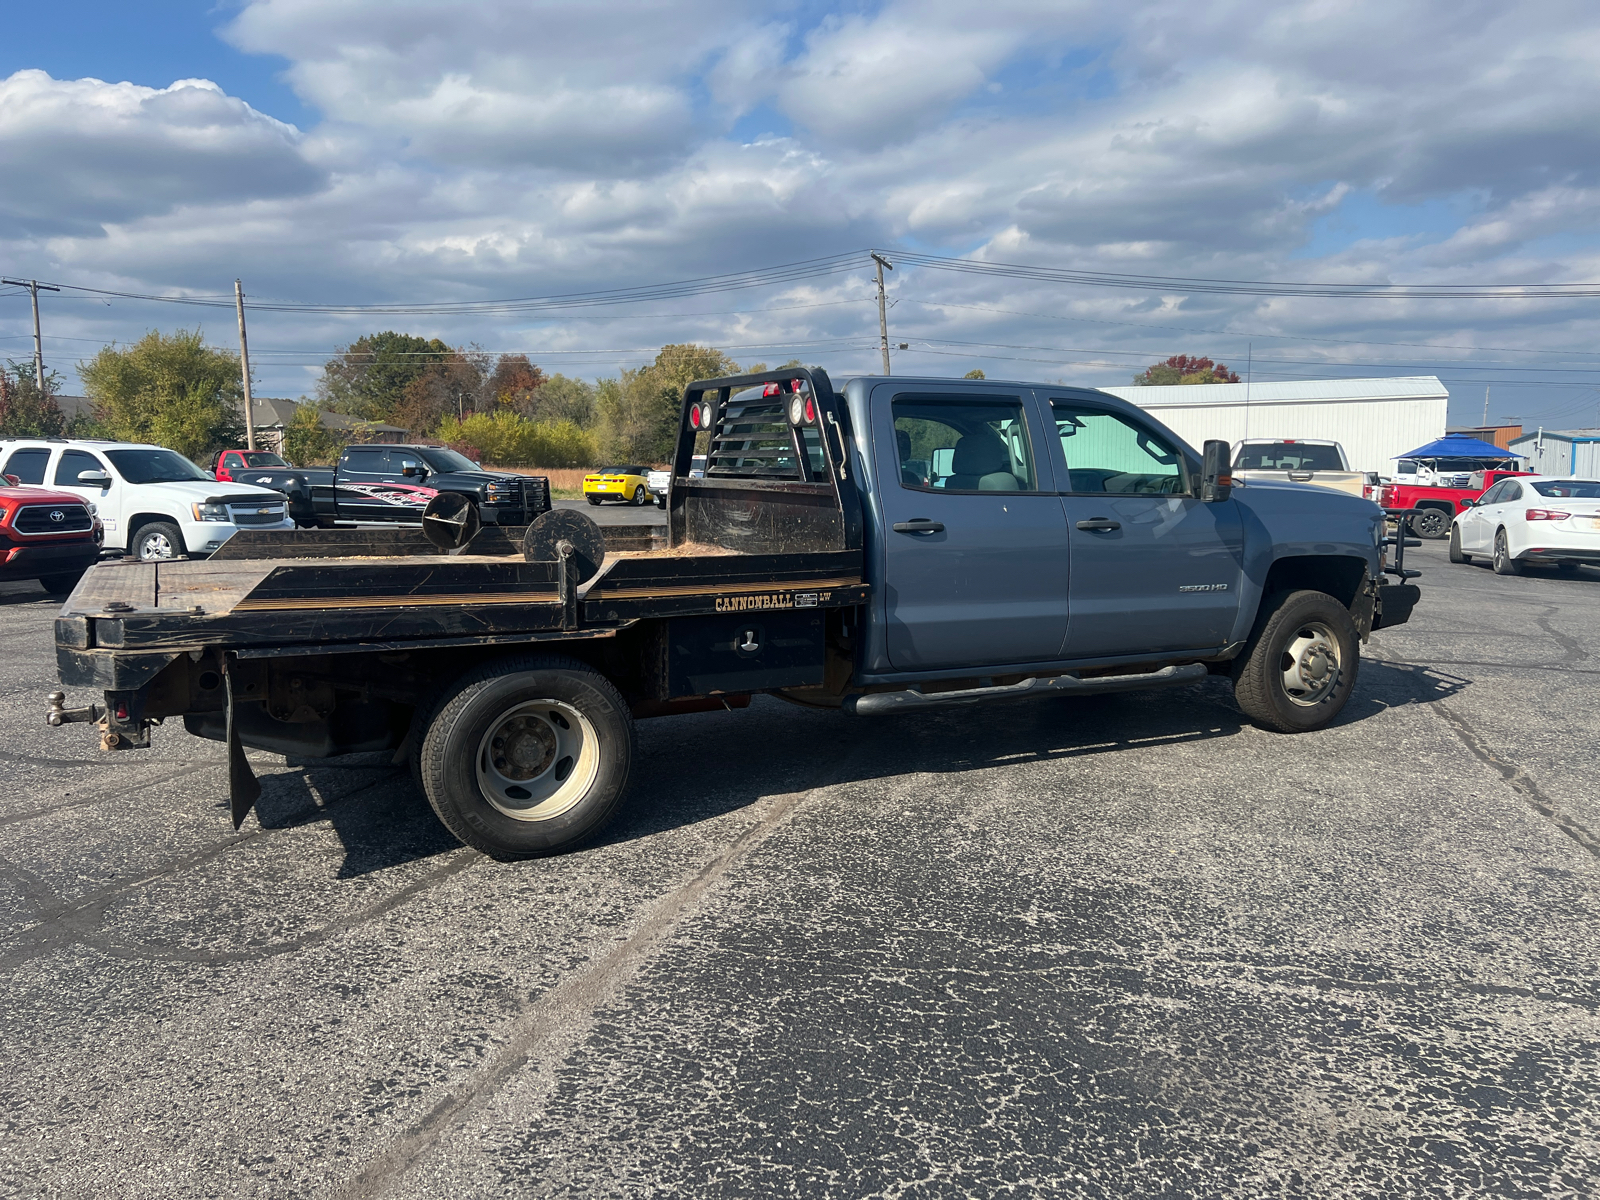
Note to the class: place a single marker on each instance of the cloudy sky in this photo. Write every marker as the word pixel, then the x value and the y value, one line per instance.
pixel 418 152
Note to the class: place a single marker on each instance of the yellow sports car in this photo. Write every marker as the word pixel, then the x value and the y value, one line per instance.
pixel 627 484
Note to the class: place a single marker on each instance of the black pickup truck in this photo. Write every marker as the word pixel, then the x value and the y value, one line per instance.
pixel 898 546
pixel 385 483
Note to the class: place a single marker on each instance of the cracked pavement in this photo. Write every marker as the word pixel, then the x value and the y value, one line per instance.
pixel 1130 946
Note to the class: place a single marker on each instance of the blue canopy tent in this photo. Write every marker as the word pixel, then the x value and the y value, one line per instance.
pixel 1459 445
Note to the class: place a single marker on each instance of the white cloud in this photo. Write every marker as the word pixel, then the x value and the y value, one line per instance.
pixel 96 153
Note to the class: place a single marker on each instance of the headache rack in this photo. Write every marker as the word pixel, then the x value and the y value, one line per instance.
pixel 776 481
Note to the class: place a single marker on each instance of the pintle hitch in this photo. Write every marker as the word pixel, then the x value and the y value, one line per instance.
pixel 121 719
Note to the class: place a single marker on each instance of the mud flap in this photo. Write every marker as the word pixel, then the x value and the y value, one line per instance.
pixel 244 789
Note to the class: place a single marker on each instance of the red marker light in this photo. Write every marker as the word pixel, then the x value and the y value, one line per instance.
pixel 811 410
pixel 770 390
pixel 694 416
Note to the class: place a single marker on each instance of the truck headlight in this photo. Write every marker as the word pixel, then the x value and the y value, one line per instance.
pixel 90 505
pixel 211 512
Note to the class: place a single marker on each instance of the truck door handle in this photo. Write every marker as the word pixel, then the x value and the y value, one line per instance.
pixel 918 525
pixel 1099 525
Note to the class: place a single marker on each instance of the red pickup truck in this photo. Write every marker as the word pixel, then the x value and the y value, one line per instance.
pixel 1439 505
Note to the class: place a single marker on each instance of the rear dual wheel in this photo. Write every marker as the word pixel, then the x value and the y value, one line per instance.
pixel 527 756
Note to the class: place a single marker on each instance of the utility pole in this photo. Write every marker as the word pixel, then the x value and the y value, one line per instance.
pixel 883 310
pixel 33 286
pixel 244 363
pixel 1486 405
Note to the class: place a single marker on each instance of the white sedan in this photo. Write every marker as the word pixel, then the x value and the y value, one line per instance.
pixel 1531 519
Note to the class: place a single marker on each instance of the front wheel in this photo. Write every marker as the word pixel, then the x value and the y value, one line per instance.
pixel 1300 667
pixel 1504 564
pixel 157 542
pixel 1431 523
pixel 527 756
pixel 60 585
pixel 1456 553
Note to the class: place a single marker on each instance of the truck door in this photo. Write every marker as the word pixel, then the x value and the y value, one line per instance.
pixel 360 490
pixel 1153 567
pixel 976 554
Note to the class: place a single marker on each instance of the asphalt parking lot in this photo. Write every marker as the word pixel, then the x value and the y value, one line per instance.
pixel 1128 947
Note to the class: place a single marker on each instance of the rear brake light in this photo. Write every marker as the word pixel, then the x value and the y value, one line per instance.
pixel 770 390
pixel 1546 514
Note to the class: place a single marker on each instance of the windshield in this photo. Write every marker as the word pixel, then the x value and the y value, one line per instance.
pixel 1569 489
pixel 1288 456
pixel 448 460
pixel 154 466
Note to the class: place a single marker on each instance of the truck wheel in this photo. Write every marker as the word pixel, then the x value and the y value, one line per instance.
pixel 65 582
pixel 1300 666
pixel 527 756
pixel 1456 553
pixel 1431 523
pixel 157 541
pixel 1504 564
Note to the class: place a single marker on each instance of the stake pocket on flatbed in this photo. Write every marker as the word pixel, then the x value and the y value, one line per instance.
pixel 894 546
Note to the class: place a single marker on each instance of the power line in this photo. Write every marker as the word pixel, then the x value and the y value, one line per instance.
pixel 1253 287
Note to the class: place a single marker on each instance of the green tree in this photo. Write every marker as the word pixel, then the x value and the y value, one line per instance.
pixel 25 411
pixel 172 390
pixel 559 398
pixel 505 438
pixel 307 442
pixel 638 414
pixel 369 377
pixel 1182 368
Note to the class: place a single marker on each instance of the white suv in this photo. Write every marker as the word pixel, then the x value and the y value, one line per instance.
pixel 154 502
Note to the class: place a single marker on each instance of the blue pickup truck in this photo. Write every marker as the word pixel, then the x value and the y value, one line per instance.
pixel 885 548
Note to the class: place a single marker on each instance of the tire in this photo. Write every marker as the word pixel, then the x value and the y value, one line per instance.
pixel 1300 665
pixel 1504 564
pixel 60 585
pixel 641 496
pixel 551 711
pixel 1456 554
pixel 157 541
pixel 661 502
pixel 1431 523
pixel 594 500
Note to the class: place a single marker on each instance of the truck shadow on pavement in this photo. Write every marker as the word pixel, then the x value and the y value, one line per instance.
pixel 729 768
pixel 699 768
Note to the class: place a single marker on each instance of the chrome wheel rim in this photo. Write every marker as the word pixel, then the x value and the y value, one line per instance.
pixel 1500 554
pixel 154 547
pixel 537 759
pixel 1310 664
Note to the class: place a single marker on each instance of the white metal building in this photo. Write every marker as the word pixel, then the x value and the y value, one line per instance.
pixel 1375 420
pixel 1561 451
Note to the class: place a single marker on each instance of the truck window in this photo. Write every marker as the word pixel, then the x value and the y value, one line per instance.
pixel 74 461
pixel 1108 453
pixel 1287 456
pixel 371 464
pixel 963 445
pixel 28 465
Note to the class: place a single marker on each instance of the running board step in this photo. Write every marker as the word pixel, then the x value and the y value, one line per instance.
pixel 911 700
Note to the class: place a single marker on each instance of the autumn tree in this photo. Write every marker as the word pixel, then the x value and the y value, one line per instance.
pixel 1182 368
pixel 514 381
pixel 170 390
pixel 455 386
pixel 559 398
pixel 369 377
pixel 25 410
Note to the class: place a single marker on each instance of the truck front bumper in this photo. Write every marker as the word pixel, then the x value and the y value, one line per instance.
pixel 30 560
